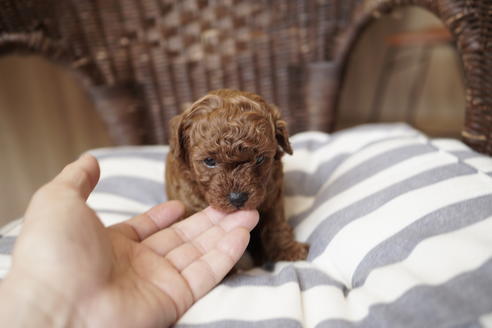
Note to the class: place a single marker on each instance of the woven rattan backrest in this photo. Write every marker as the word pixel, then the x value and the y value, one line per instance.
pixel 143 61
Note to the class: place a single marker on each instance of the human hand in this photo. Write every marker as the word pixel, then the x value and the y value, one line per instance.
pixel 69 270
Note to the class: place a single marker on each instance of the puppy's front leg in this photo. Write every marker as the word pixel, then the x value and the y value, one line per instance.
pixel 277 237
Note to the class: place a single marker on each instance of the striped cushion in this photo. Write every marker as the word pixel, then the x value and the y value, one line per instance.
pixel 400 228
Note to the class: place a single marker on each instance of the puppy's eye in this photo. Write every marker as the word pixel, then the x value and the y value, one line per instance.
pixel 210 162
pixel 260 160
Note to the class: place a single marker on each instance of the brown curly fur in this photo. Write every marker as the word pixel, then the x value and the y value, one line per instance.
pixel 234 128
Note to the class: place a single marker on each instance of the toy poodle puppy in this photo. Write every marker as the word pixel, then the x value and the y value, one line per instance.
pixel 225 151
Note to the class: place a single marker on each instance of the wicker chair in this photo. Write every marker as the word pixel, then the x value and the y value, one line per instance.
pixel 144 60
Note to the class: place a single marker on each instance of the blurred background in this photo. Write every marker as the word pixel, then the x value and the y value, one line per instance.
pixel 404 68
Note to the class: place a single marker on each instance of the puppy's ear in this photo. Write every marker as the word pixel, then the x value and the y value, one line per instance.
pixel 282 136
pixel 177 138
pixel 281 133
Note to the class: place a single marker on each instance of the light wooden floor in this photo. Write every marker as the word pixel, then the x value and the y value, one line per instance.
pixel 46 120
pixel 439 111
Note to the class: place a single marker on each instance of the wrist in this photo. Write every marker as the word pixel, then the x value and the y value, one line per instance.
pixel 25 302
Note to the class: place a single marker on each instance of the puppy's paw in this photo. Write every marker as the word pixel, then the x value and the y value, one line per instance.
pixel 296 251
pixel 232 272
pixel 245 263
pixel 268 266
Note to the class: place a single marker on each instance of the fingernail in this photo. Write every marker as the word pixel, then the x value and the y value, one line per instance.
pixel 86 154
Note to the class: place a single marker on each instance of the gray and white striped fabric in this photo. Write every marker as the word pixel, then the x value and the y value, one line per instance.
pixel 400 228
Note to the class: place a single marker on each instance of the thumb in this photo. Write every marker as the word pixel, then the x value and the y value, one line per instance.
pixel 81 175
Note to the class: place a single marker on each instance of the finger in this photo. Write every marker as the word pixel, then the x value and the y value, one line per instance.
pixel 184 230
pixel 81 175
pixel 187 230
pixel 157 218
pixel 199 222
pixel 184 255
pixel 207 271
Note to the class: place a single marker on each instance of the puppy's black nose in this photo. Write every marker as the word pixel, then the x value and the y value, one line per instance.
pixel 238 198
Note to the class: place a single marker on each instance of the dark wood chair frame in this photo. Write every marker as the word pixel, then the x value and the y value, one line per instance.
pixel 143 61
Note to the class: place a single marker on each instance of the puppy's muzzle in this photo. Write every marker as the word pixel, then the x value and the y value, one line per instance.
pixel 238 199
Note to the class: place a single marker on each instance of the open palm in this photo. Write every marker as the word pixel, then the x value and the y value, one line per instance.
pixel 146 271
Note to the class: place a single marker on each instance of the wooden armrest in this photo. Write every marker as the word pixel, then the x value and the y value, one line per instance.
pixel 428 36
